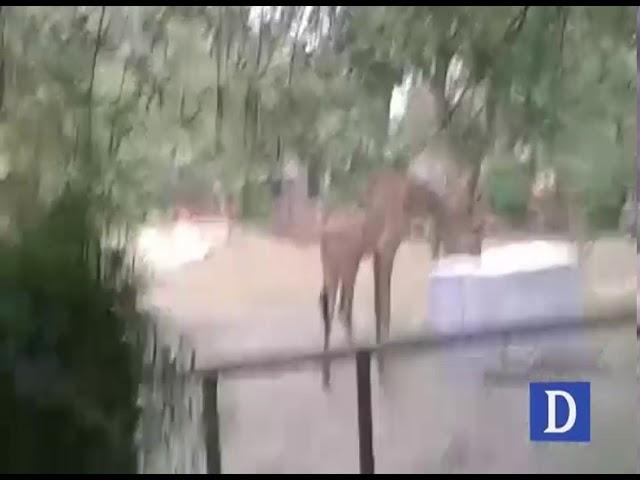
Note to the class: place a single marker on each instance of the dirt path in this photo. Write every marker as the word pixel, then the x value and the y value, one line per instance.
pixel 260 295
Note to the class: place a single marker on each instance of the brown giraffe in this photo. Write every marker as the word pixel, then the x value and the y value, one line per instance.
pixel 348 235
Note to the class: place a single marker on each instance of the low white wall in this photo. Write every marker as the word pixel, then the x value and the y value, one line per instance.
pixel 167 246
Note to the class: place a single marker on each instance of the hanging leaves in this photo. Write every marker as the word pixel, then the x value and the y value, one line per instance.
pixel 240 88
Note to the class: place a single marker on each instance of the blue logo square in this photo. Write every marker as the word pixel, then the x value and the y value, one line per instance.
pixel 560 411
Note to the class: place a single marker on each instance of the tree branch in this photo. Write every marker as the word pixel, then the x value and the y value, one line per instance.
pixel 94 62
pixel 446 121
pixel 241 47
pixel 260 29
pixel 515 26
pixel 119 97
pixel 2 57
pixel 294 46
pixel 121 137
pixel 187 120
pixel 227 53
pixel 275 45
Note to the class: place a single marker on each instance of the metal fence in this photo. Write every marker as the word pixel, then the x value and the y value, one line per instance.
pixel 363 353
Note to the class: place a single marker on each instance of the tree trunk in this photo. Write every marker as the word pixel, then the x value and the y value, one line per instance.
pixel 314 176
pixel 227 54
pixel 245 196
pixel 260 28
pixel 637 189
pixel 2 57
pixel 438 86
pixel 219 108
pixel 294 47
pixel 384 115
pixel 488 145
pixel 443 118
pixel 245 121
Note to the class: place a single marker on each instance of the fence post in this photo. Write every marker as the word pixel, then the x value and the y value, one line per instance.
pixel 212 425
pixel 363 377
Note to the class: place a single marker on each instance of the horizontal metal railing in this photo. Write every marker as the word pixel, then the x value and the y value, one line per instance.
pixel 624 317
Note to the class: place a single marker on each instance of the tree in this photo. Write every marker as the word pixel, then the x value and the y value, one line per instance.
pixel 498 78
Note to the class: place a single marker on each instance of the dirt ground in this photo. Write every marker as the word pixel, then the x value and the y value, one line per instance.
pixel 433 415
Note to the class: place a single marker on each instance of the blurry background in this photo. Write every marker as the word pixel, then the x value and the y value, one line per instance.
pixel 253 120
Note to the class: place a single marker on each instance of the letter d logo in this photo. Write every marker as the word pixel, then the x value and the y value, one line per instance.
pixel 559 412
pixel 551 411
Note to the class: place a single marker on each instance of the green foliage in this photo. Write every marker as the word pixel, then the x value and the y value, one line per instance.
pixel 237 88
pixel 529 77
pixel 508 189
pixel 70 370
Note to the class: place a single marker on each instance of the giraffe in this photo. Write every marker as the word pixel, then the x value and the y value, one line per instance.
pixel 377 228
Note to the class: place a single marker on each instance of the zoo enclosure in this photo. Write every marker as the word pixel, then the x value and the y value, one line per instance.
pixel 363 353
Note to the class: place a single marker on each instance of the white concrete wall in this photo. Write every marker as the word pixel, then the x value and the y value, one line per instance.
pixel 167 246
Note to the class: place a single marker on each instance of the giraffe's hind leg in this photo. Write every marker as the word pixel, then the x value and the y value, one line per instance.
pixel 327 302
